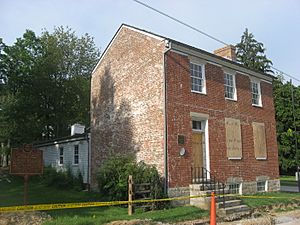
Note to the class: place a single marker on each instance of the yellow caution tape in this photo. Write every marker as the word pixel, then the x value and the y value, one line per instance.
pixel 114 203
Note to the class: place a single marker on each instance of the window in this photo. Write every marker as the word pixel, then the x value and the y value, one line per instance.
pixel 197 78
pixel 197 125
pixel 233 138
pixel 61 155
pixel 256 95
pixel 234 188
pixel 261 186
pixel 259 139
pixel 76 154
pixel 229 85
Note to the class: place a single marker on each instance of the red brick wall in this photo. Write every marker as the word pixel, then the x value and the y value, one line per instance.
pixel 127 107
pixel 180 102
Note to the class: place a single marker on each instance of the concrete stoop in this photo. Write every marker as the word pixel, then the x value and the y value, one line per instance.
pixel 234 208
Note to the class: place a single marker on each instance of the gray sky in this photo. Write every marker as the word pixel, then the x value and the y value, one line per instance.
pixel 276 23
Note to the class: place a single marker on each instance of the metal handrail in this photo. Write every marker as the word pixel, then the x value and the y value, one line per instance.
pixel 199 175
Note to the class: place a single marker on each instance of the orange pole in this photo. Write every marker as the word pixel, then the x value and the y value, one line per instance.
pixel 213 210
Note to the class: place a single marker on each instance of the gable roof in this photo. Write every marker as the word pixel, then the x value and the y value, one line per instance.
pixel 210 56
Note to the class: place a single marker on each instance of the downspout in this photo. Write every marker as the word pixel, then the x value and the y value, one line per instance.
pixel 88 166
pixel 168 47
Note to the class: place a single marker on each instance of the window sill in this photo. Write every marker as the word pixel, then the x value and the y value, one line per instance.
pixel 262 158
pixel 75 164
pixel 258 106
pixel 198 92
pixel 231 99
pixel 234 158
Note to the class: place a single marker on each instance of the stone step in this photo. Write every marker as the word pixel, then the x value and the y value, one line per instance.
pixel 227 198
pixel 236 209
pixel 229 203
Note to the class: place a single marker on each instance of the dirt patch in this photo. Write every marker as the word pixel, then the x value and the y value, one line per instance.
pixel 150 222
pixel 265 220
pixel 23 218
pixel 135 222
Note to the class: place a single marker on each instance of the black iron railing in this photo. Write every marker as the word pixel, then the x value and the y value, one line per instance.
pixel 207 181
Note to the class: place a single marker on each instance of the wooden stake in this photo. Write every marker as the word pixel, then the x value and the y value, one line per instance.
pixel 130 194
pixel 26 178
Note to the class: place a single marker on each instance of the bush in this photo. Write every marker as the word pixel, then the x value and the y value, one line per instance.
pixel 113 177
pixel 62 179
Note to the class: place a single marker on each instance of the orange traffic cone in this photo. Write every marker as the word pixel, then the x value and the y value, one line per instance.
pixel 213 210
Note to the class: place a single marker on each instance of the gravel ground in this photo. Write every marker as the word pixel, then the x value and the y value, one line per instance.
pixel 23 218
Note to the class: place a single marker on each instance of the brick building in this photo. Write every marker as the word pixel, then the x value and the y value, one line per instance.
pixel 182 109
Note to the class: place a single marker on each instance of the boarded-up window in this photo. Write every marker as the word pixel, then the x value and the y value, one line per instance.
pixel 259 137
pixel 233 138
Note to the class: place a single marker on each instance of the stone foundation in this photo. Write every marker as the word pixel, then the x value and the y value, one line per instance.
pixel 204 202
pixel 201 202
pixel 251 187
pixel 179 192
pixel 274 185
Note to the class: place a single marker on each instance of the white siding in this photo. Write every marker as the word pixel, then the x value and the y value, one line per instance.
pixel 51 157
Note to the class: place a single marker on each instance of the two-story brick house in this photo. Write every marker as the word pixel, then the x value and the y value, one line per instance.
pixel 181 108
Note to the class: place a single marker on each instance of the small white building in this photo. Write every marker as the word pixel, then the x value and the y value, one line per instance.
pixel 72 151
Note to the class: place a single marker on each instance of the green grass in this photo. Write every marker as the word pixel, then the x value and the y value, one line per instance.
pixel 280 197
pixel 104 215
pixel 12 194
pixel 288 181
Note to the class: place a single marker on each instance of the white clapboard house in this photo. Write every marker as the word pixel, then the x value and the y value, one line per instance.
pixel 69 152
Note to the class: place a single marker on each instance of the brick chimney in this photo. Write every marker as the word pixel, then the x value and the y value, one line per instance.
pixel 227 52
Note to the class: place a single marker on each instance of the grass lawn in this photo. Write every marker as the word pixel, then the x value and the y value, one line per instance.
pixel 104 215
pixel 12 194
pixel 288 181
pixel 280 197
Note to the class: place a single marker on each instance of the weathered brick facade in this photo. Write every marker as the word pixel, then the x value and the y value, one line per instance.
pixel 141 96
pixel 127 100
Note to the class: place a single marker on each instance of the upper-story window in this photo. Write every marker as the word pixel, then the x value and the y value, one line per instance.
pixel 229 85
pixel 256 93
pixel 197 78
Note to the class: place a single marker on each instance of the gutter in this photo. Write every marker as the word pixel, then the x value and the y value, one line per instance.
pixel 168 48
pixel 89 162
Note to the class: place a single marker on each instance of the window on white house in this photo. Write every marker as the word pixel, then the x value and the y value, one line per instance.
pixel 229 84
pixel 261 186
pixel 197 78
pixel 76 154
pixel 256 93
pixel 61 155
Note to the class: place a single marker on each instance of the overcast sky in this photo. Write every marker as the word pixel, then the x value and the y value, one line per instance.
pixel 276 23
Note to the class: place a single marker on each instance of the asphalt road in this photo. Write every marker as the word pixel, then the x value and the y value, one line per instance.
pixel 289 189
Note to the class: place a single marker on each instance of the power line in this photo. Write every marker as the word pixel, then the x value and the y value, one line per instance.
pixel 181 22
pixel 201 32
pixel 290 76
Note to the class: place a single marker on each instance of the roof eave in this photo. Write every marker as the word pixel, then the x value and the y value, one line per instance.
pixel 210 57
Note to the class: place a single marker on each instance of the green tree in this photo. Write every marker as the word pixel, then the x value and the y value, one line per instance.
pixel 285 123
pixel 47 84
pixel 251 53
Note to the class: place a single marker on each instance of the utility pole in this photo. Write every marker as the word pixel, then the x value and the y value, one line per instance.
pixel 296 139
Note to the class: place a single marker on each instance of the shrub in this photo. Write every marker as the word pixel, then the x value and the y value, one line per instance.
pixel 62 179
pixel 113 177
